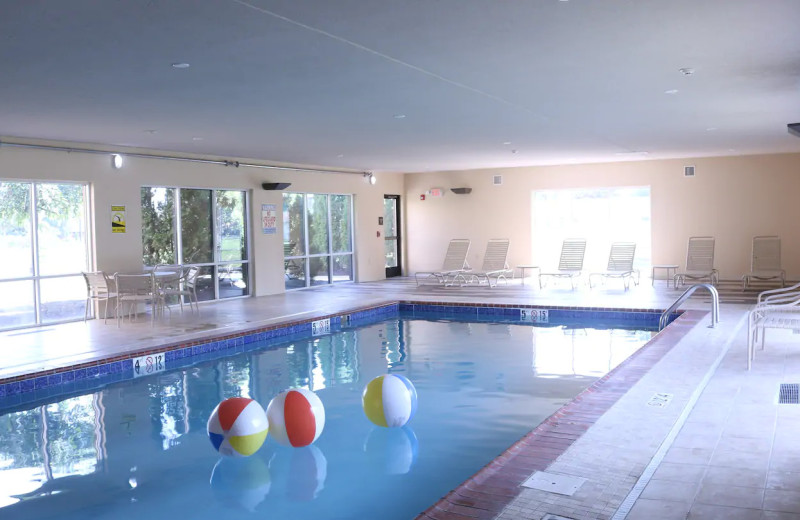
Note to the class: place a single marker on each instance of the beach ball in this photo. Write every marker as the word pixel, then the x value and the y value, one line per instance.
pixel 243 482
pixel 389 400
pixel 237 427
pixel 296 417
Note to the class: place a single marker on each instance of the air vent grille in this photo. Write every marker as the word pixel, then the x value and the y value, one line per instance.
pixel 789 393
pixel 497 180
pixel 688 171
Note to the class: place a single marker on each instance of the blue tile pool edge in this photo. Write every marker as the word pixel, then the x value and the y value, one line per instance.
pixel 79 378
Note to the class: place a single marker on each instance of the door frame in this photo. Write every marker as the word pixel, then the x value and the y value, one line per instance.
pixel 395 271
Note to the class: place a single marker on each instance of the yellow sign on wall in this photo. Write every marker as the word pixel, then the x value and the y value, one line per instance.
pixel 117 219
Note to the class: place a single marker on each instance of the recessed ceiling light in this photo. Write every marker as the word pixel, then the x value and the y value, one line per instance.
pixel 181 65
pixel 151 131
pixel 399 116
pixel 628 154
pixel 197 138
pixel 686 71
pixel 340 155
pixel 711 129
pixel 671 91
pixel 506 143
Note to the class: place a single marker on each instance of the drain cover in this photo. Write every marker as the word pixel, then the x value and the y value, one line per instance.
pixel 554 483
pixel 789 393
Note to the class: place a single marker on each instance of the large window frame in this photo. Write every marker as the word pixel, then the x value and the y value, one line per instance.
pixel 302 262
pixel 217 266
pixel 36 248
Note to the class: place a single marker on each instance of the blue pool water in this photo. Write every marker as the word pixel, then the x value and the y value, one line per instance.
pixel 139 448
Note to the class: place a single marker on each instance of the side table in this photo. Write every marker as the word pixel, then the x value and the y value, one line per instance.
pixel 668 268
pixel 523 267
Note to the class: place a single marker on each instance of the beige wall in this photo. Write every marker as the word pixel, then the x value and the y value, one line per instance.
pixel 123 252
pixel 731 198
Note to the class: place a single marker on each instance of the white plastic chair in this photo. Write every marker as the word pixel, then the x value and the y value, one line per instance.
pixel 99 288
pixel 185 285
pixel 775 309
pixel 570 262
pixel 699 262
pixel 620 264
pixel 454 265
pixel 135 289
pixel 765 263
pixel 495 263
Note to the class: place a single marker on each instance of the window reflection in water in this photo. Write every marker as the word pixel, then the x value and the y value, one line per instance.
pixel 41 445
pixel 573 351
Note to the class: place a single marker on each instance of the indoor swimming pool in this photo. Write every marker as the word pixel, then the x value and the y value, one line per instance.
pixel 138 448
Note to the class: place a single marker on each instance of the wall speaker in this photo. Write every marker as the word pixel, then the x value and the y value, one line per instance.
pixel 276 185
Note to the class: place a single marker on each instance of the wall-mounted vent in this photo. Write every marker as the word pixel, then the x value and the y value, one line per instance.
pixel 461 191
pixel 497 180
pixel 794 128
pixel 788 393
pixel 688 171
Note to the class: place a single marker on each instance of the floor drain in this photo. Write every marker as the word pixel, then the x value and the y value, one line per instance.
pixel 789 393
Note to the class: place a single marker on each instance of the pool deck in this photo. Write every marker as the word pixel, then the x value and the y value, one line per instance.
pixel 721 447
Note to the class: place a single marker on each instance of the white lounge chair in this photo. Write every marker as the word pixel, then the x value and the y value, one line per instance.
pixel 495 263
pixel 775 309
pixel 454 265
pixel 570 263
pixel 699 262
pixel 766 261
pixel 620 264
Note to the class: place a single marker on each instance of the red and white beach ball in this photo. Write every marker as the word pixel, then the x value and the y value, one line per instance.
pixel 296 417
pixel 237 427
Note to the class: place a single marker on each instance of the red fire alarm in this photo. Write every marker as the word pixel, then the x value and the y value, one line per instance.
pixel 378 234
pixel 422 197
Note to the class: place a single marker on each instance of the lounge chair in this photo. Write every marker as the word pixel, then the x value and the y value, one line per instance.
pixel 775 309
pixel 620 264
pixel 495 263
pixel 766 261
pixel 699 262
pixel 454 265
pixel 570 263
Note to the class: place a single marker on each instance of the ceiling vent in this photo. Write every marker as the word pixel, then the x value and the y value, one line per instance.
pixel 688 171
pixel 497 180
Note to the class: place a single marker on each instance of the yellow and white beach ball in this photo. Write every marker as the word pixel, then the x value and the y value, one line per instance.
pixel 296 417
pixel 389 400
pixel 237 427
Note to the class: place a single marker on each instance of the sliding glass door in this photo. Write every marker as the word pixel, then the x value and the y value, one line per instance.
pixel 45 247
pixel 203 228
pixel 317 239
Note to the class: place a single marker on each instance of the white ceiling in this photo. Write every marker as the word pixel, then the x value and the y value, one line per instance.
pixel 325 82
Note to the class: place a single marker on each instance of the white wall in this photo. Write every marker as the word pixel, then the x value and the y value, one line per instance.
pixel 123 252
pixel 731 198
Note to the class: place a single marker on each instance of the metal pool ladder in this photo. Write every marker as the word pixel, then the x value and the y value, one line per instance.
pixel 683 297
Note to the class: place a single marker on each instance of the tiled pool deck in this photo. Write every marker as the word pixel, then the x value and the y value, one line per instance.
pixel 735 455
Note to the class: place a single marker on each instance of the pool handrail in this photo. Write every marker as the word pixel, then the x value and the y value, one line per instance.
pixel 662 322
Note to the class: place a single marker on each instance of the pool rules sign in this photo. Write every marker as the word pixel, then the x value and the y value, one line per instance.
pixel 117 219
pixel 269 218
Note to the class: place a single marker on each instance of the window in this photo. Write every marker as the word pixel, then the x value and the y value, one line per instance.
pixel 600 215
pixel 43 230
pixel 317 239
pixel 199 227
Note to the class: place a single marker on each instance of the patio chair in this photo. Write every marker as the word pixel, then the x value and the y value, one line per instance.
pixel 99 288
pixel 135 289
pixel 570 263
pixel 774 309
pixel 765 263
pixel 176 281
pixel 454 265
pixel 620 264
pixel 699 262
pixel 495 263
